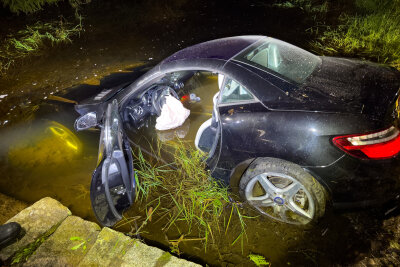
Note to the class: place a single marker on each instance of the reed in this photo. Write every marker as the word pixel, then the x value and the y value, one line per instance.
pixel 185 193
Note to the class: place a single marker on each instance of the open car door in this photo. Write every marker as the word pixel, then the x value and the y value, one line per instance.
pixel 112 189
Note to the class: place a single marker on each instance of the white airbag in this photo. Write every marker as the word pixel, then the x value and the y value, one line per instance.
pixel 173 114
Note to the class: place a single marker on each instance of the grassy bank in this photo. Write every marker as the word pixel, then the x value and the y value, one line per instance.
pixel 34 39
pixel 185 196
pixel 370 31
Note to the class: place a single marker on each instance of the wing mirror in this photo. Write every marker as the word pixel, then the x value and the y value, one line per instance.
pixel 89 120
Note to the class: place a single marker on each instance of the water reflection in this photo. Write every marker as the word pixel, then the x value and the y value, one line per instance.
pixel 52 144
pixel 46 158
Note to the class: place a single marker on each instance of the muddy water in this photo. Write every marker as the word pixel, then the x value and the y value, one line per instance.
pixel 41 155
pixel 45 157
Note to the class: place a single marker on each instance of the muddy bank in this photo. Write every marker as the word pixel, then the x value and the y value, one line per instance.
pixel 385 247
pixel 9 207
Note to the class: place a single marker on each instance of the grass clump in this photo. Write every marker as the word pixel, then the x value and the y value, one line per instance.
pixel 32 6
pixel 372 32
pixel 309 6
pixel 259 260
pixel 23 254
pixel 27 6
pixel 186 194
pixel 34 39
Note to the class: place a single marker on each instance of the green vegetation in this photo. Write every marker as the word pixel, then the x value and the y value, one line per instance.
pixel 34 39
pixel 39 36
pixel 185 193
pixel 82 243
pixel 394 245
pixel 259 260
pixel 32 6
pixel 27 6
pixel 309 6
pixel 372 31
pixel 23 254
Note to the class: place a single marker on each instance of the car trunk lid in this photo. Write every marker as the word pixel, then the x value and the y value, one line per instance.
pixel 351 86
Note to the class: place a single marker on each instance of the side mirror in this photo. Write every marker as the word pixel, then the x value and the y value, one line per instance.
pixel 89 120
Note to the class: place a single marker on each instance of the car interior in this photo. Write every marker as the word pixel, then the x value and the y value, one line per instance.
pixel 197 91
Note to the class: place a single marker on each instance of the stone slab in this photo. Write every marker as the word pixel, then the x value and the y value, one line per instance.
pixel 141 255
pixel 108 250
pixel 113 248
pixel 60 250
pixel 36 220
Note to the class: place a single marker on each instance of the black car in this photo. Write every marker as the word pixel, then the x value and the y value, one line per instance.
pixel 290 131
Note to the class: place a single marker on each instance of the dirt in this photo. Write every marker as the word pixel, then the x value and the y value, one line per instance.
pixel 9 207
pixel 385 247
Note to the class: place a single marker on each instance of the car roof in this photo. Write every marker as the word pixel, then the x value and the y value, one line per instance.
pixel 223 49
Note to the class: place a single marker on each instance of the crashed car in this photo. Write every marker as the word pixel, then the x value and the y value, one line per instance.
pixel 290 131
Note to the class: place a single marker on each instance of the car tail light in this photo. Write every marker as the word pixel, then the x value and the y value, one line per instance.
pixel 377 145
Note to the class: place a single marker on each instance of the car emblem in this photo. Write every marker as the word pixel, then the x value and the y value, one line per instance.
pixel 279 200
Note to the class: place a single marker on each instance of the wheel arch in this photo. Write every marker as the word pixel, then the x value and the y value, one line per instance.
pixel 238 172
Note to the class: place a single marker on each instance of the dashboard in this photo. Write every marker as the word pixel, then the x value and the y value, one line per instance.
pixel 137 111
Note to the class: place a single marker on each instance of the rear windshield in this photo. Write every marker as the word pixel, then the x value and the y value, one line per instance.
pixel 289 61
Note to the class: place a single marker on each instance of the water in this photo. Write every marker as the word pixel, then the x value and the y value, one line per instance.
pixel 41 155
pixel 46 157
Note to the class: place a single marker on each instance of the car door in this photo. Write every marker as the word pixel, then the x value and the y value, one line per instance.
pixel 112 187
pixel 237 107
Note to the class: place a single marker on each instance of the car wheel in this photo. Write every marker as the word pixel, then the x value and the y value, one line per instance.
pixel 283 191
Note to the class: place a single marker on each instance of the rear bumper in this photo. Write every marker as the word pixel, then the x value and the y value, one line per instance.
pixel 360 183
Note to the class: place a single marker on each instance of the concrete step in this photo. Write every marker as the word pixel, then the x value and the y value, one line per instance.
pixel 56 238
pixel 68 245
pixel 36 221
pixel 115 249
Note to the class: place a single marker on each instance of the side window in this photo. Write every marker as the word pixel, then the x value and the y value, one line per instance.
pixel 234 92
pixel 267 56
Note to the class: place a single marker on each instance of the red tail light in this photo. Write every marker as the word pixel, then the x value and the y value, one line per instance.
pixel 379 145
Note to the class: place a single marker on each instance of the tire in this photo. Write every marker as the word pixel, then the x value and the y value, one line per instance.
pixel 283 191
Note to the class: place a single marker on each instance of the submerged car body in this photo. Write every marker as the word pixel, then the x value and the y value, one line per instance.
pixel 333 121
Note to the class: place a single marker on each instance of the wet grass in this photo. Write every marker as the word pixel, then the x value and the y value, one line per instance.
pixel 32 6
pixel 34 39
pixel 27 6
pixel 185 194
pixel 24 253
pixel 309 6
pixel 372 31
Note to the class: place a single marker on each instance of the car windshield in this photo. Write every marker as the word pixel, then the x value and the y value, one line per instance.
pixel 288 60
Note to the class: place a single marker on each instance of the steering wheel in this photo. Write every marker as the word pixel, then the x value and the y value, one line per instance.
pixel 158 97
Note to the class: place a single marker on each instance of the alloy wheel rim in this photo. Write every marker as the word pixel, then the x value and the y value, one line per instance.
pixel 281 197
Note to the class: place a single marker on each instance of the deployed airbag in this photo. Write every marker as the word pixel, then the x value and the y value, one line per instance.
pixel 173 114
